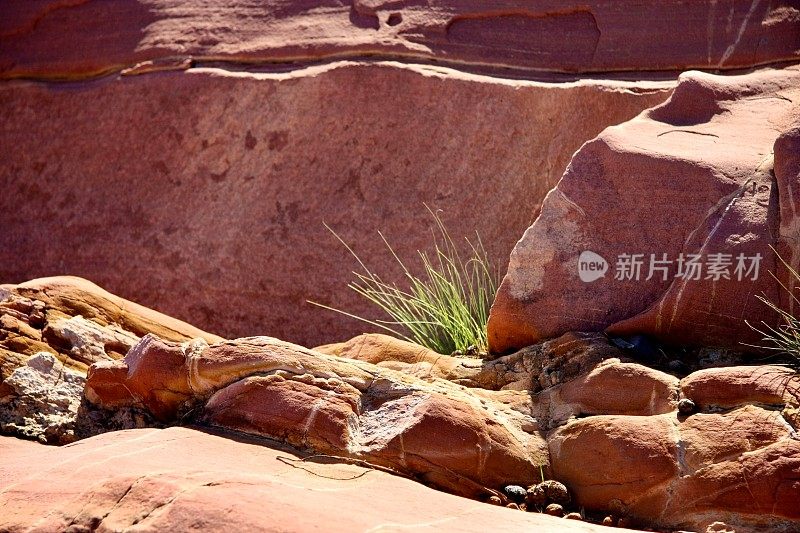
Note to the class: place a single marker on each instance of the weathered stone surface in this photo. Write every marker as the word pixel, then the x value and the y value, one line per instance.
pixel 78 322
pixel 50 331
pixel 214 186
pixel 51 38
pixel 692 176
pixel 436 431
pixel 511 372
pixel 406 357
pixel 735 460
pixel 43 400
pixel 181 479
pixel 720 388
pixel 611 388
pixel 612 434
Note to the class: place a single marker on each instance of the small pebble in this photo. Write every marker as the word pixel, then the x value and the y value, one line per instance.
pixel 554 510
pixel 608 521
pixel 513 505
pixel 617 507
pixel 556 492
pixel 516 493
pixel 678 367
pixel 686 406
pixel 495 500
pixel 573 516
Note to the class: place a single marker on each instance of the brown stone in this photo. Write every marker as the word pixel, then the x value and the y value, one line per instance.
pixel 601 458
pixel 732 386
pixel 407 357
pixel 554 509
pixel 79 321
pixel 692 176
pixel 734 459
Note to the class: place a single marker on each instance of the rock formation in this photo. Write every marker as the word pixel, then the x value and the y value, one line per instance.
pixel 189 155
pixel 610 430
pixel 50 331
pixel 435 431
pixel 631 443
pixel 49 38
pixel 695 181
pixel 214 185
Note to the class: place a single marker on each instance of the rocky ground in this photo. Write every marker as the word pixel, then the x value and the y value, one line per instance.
pixel 631 444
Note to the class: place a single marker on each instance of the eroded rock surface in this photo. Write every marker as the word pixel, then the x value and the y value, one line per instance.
pixel 214 185
pixel 708 178
pixel 608 428
pixel 435 431
pixel 43 401
pixel 180 479
pixel 49 38
pixel 51 329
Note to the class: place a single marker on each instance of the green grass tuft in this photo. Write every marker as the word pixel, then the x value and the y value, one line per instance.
pixel 785 337
pixel 446 308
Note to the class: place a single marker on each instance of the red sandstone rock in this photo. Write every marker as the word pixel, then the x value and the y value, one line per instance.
pixel 731 386
pixel 51 329
pixel 181 479
pixel 438 432
pixel 78 322
pixel 613 433
pixel 692 176
pixel 680 472
pixel 512 372
pixel 51 38
pixel 214 186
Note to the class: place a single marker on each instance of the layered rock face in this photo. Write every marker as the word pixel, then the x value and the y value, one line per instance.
pixel 50 38
pixel 214 186
pixel 667 224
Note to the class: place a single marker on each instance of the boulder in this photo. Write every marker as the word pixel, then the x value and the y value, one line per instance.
pixel 665 225
pixel 258 162
pixel 436 431
pixel 78 322
pixel 50 38
pixel 51 329
pixel 734 459
pixel 180 479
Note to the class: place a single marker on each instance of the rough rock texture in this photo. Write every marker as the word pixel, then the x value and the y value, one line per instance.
pixel 696 175
pixel 627 451
pixel 181 479
pixel 50 331
pixel 531 369
pixel 610 430
pixel 78 322
pixel 50 38
pixel 44 400
pixel 435 431
pixel 214 186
